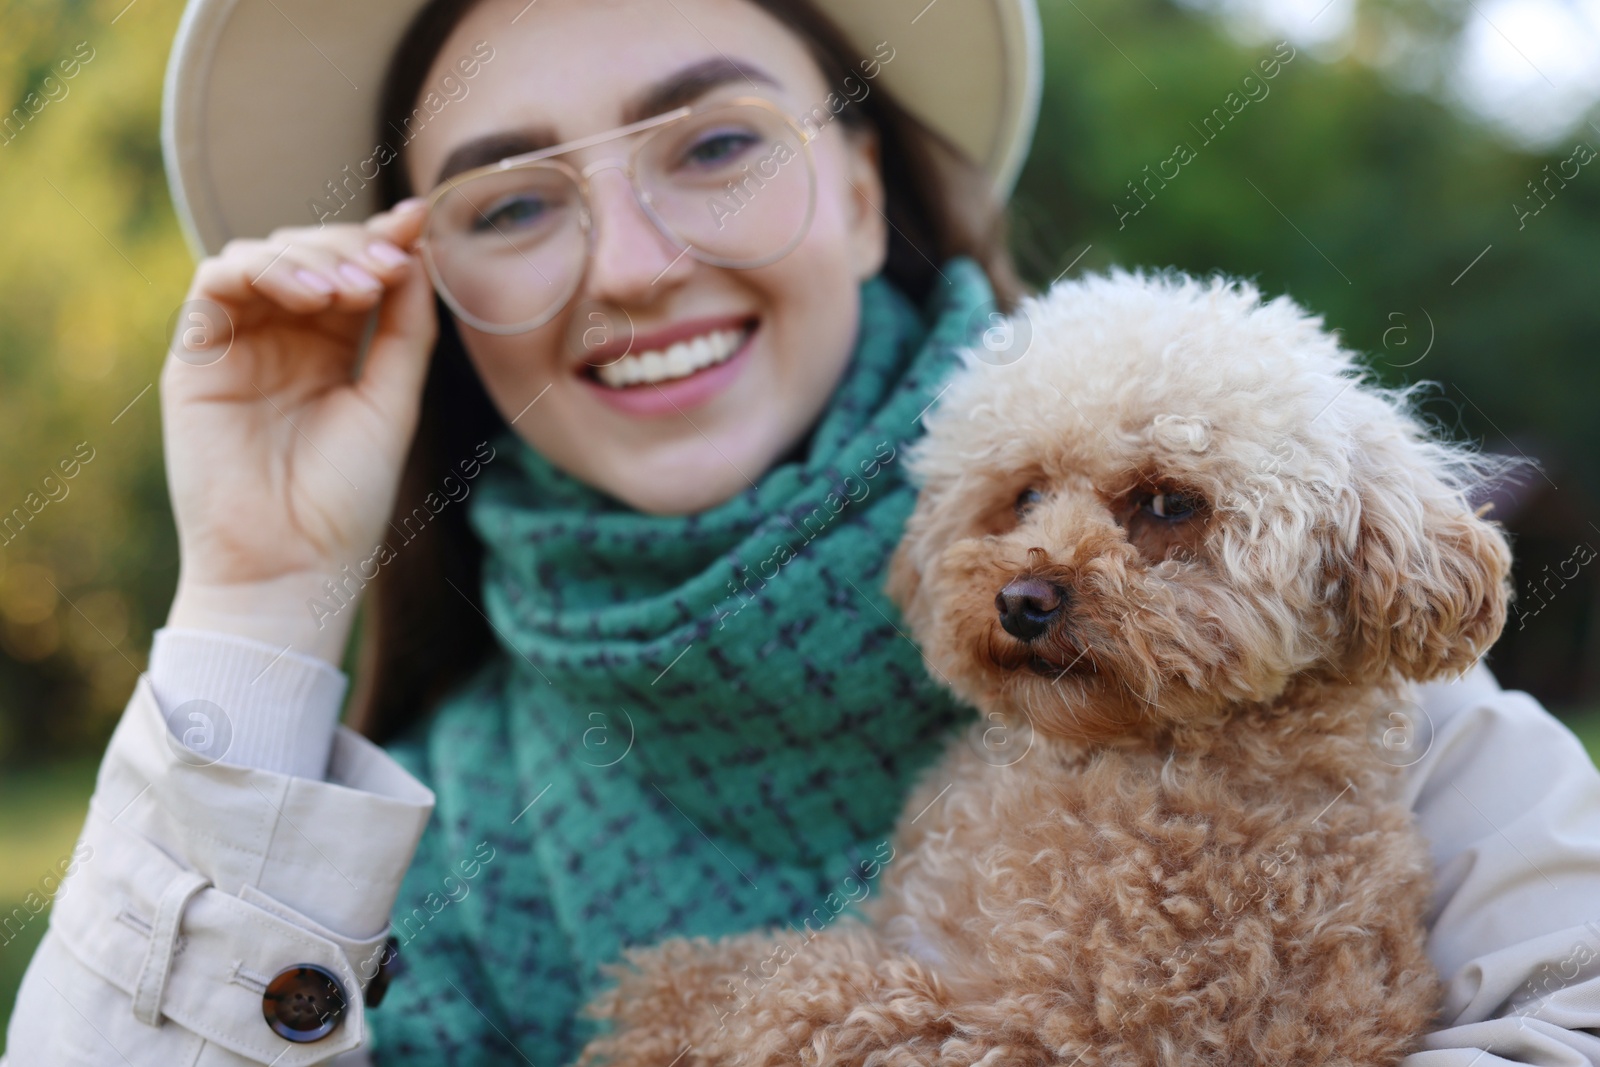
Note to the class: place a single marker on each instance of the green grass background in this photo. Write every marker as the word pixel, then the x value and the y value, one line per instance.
pixel 41 812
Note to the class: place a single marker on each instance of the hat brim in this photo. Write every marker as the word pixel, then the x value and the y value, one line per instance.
pixel 268 101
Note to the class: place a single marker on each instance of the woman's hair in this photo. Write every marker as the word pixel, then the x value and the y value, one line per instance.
pixel 423 630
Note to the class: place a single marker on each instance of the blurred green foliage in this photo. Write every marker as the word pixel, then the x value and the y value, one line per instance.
pixel 91 266
pixel 1364 202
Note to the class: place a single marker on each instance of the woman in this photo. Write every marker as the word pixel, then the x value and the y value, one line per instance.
pixel 625 533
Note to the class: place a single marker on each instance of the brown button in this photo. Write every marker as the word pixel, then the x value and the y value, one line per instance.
pixel 304 1003
pixel 387 965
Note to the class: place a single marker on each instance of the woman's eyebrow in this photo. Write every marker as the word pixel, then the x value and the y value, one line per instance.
pixel 675 90
pixel 691 83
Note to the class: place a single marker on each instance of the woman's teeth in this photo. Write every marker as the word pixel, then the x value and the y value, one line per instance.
pixel 678 361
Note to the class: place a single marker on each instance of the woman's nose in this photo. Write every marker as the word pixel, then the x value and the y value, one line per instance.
pixel 632 260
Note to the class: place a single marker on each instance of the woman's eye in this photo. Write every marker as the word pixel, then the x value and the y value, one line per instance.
pixel 1172 506
pixel 512 213
pixel 718 148
pixel 1026 500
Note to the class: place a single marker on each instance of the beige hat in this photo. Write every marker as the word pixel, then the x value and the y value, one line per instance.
pixel 266 101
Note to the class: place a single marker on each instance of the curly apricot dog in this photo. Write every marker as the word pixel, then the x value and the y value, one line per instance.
pixel 1192 553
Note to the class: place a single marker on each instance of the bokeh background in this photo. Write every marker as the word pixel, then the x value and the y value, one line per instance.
pixel 1423 172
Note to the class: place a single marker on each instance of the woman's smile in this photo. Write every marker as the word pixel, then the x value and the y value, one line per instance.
pixel 674 369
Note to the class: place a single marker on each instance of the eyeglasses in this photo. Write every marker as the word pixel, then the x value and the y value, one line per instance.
pixel 732 184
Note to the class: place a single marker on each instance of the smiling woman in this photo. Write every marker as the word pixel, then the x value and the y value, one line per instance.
pixel 762 348
pixel 797 314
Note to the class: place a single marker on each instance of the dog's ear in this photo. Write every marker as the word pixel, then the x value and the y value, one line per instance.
pixel 1426 578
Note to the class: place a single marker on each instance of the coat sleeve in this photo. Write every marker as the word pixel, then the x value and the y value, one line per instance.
pixel 195 883
pixel 1509 802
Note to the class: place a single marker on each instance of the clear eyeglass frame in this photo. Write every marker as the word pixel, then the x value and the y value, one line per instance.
pixel 548 157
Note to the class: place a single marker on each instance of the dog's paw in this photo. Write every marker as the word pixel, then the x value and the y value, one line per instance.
pixel 673 1003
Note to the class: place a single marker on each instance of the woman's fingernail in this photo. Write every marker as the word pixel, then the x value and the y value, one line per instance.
pixel 386 253
pixel 358 277
pixel 410 203
pixel 314 281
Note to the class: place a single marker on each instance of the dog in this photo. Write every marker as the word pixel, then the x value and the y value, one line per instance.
pixel 1193 555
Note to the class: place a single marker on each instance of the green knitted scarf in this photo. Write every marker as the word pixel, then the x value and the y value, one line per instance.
pixel 697 724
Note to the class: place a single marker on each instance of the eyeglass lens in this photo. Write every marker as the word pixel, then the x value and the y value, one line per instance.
pixel 733 185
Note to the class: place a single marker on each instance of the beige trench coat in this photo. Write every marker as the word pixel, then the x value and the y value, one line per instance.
pixel 205 881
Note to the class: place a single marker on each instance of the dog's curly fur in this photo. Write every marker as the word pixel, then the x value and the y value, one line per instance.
pixel 1201 857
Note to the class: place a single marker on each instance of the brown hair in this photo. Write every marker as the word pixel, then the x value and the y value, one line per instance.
pixel 423 629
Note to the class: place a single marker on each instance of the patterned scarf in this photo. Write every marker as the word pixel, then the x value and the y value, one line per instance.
pixel 697 724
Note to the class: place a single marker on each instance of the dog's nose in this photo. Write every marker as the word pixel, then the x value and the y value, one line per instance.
pixel 1028 605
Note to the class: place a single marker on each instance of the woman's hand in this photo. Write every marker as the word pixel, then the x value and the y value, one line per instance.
pixel 283 455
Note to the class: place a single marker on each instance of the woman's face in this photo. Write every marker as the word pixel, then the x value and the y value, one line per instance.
pixel 565 69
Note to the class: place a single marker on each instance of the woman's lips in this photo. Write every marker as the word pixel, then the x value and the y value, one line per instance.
pixel 675 394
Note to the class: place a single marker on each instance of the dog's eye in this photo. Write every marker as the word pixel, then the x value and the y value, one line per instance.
pixel 1026 500
pixel 1172 505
